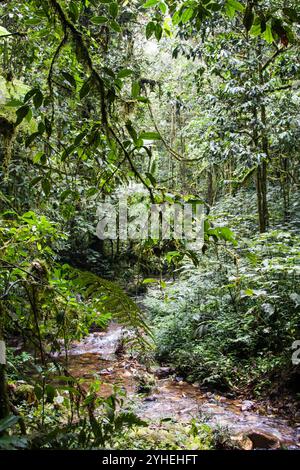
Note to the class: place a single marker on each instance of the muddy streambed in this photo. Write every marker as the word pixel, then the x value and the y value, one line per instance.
pixel 95 357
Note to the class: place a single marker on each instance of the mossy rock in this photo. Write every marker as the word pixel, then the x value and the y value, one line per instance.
pixel 24 393
pixel 146 382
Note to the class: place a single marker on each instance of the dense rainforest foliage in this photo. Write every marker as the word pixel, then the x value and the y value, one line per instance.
pixel 169 101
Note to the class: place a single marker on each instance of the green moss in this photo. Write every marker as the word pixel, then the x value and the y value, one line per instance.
pixel 169 436
pixel 11 98
pixel 14 90
pixel 25 393
pixel 146 382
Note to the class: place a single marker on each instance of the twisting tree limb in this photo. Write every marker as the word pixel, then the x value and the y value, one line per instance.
pixel 54 58
pixel 132 166
pixel 271 59
pixel 173 153
pixel 22 35
pixel 83 56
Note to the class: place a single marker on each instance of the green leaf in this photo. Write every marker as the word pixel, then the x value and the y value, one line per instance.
pixel 22 113
pixel 35 181
pixel 135 89
pixel 163 8
pixel 33 21
pixel 114 9
pixel 41 127
pixel 151 3
pixel 143 99
pixel 132 132
pixel 50 392
pixel 150 136
pixel 256 29
pixel 111 298
pixel 248 17
pixel 74 11
pixel 115 26
pixel 214 6
pixel 109 72
pixel 130 419
pixel 291 14
pixel 173 254
pixel 267 35
pixel 149 281
pixel 8 422
pixel 65 378
pixel 3 31
pixel 38 99
pixel 229 11
pixel 158 31
pixel 48 127
pixel 124 73
pixel 99 19
pixel 14 103
pixel 187 15
pixel 150 29
pixel 31 138
pixel 237 6
pixel 79 138
pixel 151 178
pixel 223 233
pixel 92 191
pixel 65 194
pixel 46 185
pixel 28 116
pixel 248 292
pixel 176 18
pixel 13 442
pixel 69 78
pixel 38 157
pixel 30 94
pixel 85 89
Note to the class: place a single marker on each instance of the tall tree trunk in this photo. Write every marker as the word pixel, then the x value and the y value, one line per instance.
pixel 182 165
pixel 210 187
pixel 229 177
pixel 262 173
pixel 285 187
pixel 261 196
pixel 4 402
pixel 4 405
pixel 261 145
pixel 261 181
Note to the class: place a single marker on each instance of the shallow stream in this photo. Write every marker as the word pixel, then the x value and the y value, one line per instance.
pixel 95 356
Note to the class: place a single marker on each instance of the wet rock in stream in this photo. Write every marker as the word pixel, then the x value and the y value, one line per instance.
pixel 150 399
pixel 247 405
pixel 163 372
pixel 255 440
pixel 261 440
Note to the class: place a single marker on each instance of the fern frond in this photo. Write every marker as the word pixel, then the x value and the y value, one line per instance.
pixel 109 297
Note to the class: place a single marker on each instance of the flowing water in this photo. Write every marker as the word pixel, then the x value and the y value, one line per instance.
pixel 95 356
